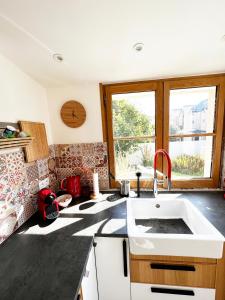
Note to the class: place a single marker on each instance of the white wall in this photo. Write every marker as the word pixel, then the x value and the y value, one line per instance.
pixel 88 95
pixel 21 97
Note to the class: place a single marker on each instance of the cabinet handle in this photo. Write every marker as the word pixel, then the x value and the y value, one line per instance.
pixel 172 267
pixel 125 258
pixel 172 291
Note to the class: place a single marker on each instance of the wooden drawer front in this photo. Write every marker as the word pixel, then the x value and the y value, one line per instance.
pixel 141 291
pixel 181 274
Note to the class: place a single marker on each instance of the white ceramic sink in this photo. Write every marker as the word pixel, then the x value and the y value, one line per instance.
pixel 204 241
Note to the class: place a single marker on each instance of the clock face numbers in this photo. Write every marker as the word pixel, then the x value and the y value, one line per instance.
pixel 73 114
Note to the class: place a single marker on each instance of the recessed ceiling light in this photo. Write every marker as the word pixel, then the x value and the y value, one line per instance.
pixel 58 57
pixel 138 47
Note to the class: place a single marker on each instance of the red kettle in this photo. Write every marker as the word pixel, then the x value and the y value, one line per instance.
pixel 71 185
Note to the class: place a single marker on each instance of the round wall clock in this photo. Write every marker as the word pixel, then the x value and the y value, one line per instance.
pixel 73 114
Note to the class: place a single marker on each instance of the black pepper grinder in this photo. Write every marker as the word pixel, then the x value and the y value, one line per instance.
pixel 138 174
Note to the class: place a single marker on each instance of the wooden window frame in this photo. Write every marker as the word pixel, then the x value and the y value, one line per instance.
pixel 217 134
pixel 162 89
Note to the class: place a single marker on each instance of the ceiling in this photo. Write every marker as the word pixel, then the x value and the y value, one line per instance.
pixel 96 38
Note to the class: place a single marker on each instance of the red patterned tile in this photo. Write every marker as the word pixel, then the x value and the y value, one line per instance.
pixel 43 167
pixel 65 162
pixel 51 151
pixel 5 189
pixel 89 161
pixel 22 195
pixel 64 172
pixel 32 171
pixel 76 150
pixel 17 178
pixel 53 182
pixel 102 172
pixel 104 184
pixel 87 149
pixel 29 210
pixel 77 161
pixel 15 161
pixel 34 187
pixel 101 160
pixel 58 162
pixel 3 164
pixel 87 174
pixel 78 171
pixel 51 164
pixel 62 149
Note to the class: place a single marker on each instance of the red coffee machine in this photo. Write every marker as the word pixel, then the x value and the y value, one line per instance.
pixel 71 185
pixel 47 205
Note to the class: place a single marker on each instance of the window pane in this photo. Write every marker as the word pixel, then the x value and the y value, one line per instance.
pixel 191 157
pixel 133 114
pixel 132 156
pixel 192 110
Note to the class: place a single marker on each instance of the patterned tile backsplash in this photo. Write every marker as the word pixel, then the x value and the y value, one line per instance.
pixel 20 181
pixel 82 159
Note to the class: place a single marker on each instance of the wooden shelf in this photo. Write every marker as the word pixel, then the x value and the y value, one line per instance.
pixel 15 142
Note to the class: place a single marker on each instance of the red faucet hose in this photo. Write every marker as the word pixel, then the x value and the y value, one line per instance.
pixel 169 167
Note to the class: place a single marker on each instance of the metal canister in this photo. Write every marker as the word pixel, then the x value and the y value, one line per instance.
pixel 125 187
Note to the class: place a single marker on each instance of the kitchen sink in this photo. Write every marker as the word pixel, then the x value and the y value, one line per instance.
pixel 171 225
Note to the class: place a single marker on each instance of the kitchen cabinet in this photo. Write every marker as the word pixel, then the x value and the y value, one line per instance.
pixel 89 283
pixel 168 277
pixel 140 291
pixel 112 268
pixel 174 273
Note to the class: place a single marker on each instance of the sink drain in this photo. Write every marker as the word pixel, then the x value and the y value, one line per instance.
pixel 157 205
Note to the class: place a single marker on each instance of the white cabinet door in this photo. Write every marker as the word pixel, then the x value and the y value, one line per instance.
pixel 89 282
pixel 141 291
pixel 112 262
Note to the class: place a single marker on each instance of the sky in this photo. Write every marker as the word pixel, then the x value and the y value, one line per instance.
pixel 144 101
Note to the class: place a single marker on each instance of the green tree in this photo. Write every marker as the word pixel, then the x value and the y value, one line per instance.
pixel 129 121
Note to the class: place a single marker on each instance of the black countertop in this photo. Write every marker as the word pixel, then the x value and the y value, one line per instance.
pixel 47 261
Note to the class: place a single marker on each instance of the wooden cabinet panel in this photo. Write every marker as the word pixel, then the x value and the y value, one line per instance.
pixel 173 273
pixel 39 146
pixel 185 259
pixel 220 277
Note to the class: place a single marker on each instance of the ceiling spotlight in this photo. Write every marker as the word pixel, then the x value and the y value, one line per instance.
pixel 58 57
pixel 138 47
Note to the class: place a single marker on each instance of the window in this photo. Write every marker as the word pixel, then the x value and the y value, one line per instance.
pixel 133 118
pixel 183 116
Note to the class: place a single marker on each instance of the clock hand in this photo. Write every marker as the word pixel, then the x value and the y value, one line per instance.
pixel 74 115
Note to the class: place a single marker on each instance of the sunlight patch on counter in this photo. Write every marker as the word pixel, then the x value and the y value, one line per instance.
pixel 56 225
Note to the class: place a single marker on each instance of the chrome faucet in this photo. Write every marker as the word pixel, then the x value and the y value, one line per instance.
pixel 168 176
